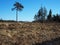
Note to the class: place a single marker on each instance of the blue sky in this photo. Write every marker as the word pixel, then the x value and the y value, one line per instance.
pixel 31 7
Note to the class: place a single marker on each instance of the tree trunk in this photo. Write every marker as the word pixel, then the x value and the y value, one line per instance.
pixel 16 15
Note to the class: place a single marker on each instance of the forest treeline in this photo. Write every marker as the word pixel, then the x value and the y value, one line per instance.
pixel 42 16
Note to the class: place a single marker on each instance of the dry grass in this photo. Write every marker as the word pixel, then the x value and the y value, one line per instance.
pixel 28 33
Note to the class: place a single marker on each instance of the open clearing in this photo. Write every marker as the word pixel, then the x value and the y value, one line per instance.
pixel 28 33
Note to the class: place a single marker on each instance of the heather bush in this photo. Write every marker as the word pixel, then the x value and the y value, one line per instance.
pixel 11 26
pixel 3 26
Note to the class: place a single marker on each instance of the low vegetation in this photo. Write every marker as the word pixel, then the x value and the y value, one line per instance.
pixel 32 33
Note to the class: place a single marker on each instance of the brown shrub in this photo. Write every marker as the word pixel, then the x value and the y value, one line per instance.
pixel 3 26
pixel 11 26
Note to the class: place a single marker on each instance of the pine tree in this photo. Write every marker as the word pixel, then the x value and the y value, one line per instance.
pixel 17 7
pixel 49 17
pixel 40 16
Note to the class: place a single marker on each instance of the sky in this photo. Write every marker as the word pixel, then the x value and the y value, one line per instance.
pixel 31 8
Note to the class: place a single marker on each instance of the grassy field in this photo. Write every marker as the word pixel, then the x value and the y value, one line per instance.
pixel 29 33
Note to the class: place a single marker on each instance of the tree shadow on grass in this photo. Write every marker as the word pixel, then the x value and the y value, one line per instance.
pixel 55 41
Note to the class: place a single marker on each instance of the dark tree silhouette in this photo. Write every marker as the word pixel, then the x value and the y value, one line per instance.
pixel 40 16
pixel 56 18
pixel 49 17
pixel 18 7
pixel 44 13
pixel 35 17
